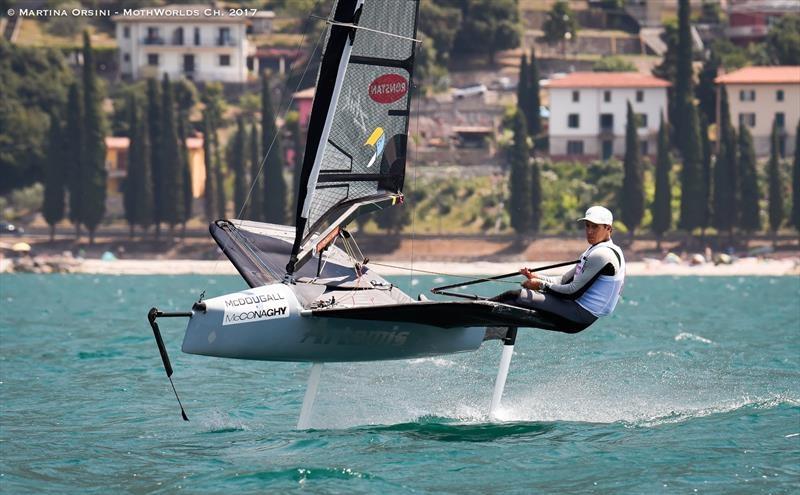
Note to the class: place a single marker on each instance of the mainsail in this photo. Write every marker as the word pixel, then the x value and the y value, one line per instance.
pixel 356 146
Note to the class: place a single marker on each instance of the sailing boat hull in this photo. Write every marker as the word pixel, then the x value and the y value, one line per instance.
pixel 268 323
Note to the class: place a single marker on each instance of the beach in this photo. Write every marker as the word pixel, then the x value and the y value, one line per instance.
pixel 749 266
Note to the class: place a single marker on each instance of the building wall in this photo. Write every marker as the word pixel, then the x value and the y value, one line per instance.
pixel 591 106
pixel 765 106
pixel 134 51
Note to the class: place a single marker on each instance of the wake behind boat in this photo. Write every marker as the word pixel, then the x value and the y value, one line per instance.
pixel 311 300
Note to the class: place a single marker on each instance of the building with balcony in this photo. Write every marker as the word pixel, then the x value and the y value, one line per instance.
pixel 588 113
pixel 751 20
pixel 197 42
pixel 759 96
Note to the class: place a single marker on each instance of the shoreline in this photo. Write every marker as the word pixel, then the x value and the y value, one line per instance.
pixel 648 267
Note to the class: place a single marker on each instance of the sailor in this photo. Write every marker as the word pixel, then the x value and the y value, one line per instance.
pixel 588 290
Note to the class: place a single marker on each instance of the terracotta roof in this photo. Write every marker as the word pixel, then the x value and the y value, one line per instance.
pixel 608 80
pixel 781 74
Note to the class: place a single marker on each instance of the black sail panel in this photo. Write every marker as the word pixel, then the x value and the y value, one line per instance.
pixel 364 153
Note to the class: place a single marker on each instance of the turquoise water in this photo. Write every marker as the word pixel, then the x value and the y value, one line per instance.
pixel 693 385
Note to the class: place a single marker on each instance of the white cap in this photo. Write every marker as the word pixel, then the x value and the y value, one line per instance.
pixel 598 215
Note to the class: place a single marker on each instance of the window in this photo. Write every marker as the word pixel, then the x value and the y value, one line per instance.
pixel 177 37
pixel 197 36
pixel 576 96
pixel 126 32
pixel 225 60
pixel 606 96
pixel 748 119
pixel 606 122
pixel 641 120
pixel 782 146
pixel 639 95
pixel 608 149
pixel 779 95
pixel 780 120
pixel 153 37
pixel 152 59
pixel 643 148
pixel 126 57
pixel 224 36
pixel 573 121
pixel 574 147
pixel 747 95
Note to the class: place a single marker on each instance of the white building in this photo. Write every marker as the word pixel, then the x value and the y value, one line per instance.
pixel 198 42
pixel 759 96
pixel 588 113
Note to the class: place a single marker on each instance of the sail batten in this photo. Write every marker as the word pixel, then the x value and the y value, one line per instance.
pixel 357 137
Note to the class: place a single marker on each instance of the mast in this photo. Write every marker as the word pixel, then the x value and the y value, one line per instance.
pixel 329 87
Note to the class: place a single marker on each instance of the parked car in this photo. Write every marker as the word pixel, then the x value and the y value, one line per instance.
pixel 11 229
pixel 475 90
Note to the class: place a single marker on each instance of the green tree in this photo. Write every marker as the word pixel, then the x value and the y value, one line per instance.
pixel 93 149
pixel 519 179
pixel 172 176
pixel 725 172
pixel 633 182
pixel 560 25
pixel 72 152
pixel 536 197
pixel 256 210
pixel 796 179
pixel 275 202
pixel 210 207
pixel 707 175
pixel 54 206
pixel 668 69
pixel 750 219
pixel 236 161
pixel 154 126
pixel 293 127
pixel 523 93
pixel 775 181
pixel 219 175
pixel 488 26
pixel 138 198
pixel 187 194
pixel 534 100
pixel 441 23
pixel 683 76
pixel 613 63
pixel 783 40
pixel 706 90
pixel 661 208
pixel 692 176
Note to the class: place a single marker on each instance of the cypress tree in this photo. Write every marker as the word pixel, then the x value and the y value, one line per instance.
pixel 236 162
pixel 139 183
pixel 256 210
pixel 93 151
pixel 691 176
pixel 775 183
pixel 219 175
pixel 683 77
pixel 536 197
pixel 750 220
pixel 293 126
pixel 130 188
pixel 523 94
pixel 275 203
pixel 210 193
pixel 534 101
pixel 661 209
pixel 154 126
pixel 708 153
pixel 186 176
pixel 53 207
pixel 796 180
pixel 172 176
pixel 725 174
pixel 706 90
pixel 633 180
pixel 519 179
pixel 72 150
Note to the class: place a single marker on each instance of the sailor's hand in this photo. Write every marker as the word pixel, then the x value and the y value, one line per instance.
pixel 527 273
pixel 532 284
